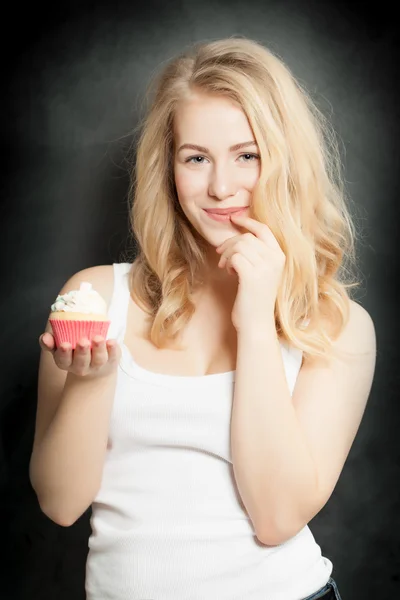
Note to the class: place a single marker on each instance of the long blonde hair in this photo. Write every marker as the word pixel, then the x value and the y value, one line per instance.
pixel 300 195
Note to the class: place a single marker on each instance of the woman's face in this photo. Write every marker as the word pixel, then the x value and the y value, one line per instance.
pixel 214 174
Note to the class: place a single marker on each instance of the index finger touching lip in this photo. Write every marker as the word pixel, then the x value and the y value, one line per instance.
pixel 260 230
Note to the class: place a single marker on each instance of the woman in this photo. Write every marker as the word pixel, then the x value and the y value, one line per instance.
pixel 214 422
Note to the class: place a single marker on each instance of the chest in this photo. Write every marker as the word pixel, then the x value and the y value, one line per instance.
pixel 209 342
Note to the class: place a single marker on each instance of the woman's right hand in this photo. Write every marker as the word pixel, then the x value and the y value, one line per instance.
pixel 98 361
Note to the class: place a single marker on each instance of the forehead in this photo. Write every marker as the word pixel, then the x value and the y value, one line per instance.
pixel 203 116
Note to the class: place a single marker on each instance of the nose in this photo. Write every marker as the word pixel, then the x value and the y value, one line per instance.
pixel 222 182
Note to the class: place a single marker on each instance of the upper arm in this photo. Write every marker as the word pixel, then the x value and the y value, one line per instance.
pixel 330 398
pixel 51 379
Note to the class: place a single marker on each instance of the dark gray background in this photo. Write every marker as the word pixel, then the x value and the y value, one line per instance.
pixel 74 77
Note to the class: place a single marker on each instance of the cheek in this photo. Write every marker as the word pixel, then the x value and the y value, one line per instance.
pixel 252 178
pixel 189 184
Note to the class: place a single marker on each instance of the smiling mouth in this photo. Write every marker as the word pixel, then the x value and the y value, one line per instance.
pixel 225 217
pixel 225 211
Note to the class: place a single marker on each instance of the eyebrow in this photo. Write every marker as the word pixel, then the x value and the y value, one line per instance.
pixel 206 150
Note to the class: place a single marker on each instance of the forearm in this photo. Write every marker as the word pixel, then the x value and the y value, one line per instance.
pixel 274 470
pixel 66 468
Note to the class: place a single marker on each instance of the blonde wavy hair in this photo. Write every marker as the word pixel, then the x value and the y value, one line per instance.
pixel 300 195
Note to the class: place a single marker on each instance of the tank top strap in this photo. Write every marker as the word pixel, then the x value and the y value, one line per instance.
pixel 118 310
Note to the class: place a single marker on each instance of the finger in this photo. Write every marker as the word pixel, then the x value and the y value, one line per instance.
pixel 260 230
pixel 113 350
pixel 46 341
pixel 99 352
pixel 82 355
pixel 222 247
pixel 240 243
pixel 248 252
pixel 63 356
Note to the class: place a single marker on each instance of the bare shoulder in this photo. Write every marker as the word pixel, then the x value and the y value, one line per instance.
pixel 358 336
pixel 356 341
pixel 101 277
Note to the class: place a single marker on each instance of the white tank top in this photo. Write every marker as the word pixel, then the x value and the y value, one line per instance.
pixel 168 522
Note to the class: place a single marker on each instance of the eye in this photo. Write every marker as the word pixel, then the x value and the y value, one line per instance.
pixel 194 158
pixel 252 157
pixel 199 160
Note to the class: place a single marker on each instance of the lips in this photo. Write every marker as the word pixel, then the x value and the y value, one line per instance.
pixel 225 211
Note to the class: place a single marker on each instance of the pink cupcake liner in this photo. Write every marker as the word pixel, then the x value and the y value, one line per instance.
pixel 65 330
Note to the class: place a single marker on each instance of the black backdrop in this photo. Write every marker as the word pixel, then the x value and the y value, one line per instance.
pixel 73 79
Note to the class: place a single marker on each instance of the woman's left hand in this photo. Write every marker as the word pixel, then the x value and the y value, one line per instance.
pixel 258 261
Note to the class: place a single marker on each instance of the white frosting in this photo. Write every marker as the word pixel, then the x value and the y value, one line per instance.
pixel 84 300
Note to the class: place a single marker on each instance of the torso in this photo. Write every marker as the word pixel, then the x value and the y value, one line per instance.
pixel 209 337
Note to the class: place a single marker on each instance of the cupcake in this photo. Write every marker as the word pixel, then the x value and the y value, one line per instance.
pixel 79 314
